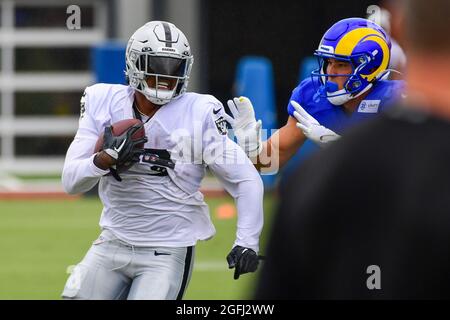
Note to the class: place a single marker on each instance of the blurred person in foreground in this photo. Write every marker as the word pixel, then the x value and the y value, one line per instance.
pixel 369 217
pixel 153 213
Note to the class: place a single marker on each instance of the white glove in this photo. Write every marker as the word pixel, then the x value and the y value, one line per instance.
pixel 246 129
pixel 312 128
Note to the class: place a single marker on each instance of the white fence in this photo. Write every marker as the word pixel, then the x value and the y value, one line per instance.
pixel 12 37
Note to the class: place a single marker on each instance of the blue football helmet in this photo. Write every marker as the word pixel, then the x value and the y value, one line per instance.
pixel 362 43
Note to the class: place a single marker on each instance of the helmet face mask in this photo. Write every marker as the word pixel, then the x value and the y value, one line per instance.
pixel 359 42
pixel 159 62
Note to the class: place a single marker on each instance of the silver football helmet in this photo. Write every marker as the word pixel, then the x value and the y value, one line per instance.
pixel 159 52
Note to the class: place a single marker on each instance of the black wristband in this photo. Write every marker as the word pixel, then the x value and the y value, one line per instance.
pixel 97 163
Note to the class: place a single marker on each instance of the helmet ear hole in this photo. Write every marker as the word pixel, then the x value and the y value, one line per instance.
pixel 353 85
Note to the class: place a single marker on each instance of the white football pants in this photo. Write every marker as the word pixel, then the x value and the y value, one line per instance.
pixel 113 269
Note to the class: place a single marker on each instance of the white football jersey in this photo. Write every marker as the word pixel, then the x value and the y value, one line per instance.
pixel 158 202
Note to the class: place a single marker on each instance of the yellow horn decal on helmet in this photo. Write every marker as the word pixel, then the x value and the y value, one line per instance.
pixel 348 42
pixel 386 57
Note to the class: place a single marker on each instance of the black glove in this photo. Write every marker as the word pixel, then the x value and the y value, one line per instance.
pixel 123 148
pixel 243 260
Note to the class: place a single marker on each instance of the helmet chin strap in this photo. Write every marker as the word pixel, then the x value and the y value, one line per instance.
pixel 158 96
pixel 340 97
pixel 335 96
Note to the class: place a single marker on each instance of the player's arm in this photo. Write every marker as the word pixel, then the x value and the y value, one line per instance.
pixel 268 155
pixel 239 177
pixel 82 168
pixel 281 146
pixel 243 182
pixel 80 173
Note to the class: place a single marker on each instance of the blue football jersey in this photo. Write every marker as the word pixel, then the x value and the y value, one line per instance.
pixel 382 95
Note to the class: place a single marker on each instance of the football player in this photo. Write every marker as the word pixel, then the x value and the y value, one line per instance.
pixel 348 87
pixel 153 213
pixel 383 17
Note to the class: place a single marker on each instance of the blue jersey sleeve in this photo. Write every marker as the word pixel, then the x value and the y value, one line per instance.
pixel 297 96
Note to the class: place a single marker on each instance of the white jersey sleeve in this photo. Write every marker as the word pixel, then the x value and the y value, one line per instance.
pixel 238 175
pixel 79 172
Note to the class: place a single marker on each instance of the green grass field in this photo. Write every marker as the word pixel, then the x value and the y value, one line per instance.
pixel 39 240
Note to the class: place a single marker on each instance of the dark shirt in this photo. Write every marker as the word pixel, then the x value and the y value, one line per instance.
pixel 379 196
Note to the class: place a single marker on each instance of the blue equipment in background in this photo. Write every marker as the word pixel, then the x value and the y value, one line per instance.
pixel 308 65
pixel 254 79
pixel 108 62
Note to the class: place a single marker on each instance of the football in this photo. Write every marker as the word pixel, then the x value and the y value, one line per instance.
pixel 117 129
pixel 120 127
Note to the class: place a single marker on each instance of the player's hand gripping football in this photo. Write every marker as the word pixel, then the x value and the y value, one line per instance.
pixel 312 128
pixel 121 150
pixel 243 260
pixel 245 126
